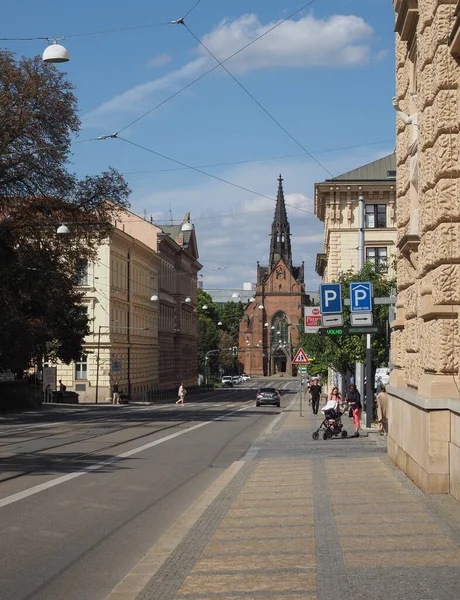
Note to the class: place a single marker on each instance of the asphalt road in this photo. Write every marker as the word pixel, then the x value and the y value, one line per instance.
pixel 85 491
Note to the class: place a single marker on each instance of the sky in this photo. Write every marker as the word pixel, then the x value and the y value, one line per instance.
pixel 325 76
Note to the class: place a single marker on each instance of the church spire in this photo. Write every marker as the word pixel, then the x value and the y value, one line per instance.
pixel 280 245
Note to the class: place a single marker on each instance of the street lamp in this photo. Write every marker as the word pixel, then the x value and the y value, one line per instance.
pixel 98 353
pixel 55 53
pixel 188 300
pixel 62 230
pixel 154 298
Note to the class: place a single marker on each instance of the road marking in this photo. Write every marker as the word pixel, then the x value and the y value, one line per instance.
pixel 99 465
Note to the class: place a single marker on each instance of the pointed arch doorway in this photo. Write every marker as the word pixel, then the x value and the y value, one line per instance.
pixel 280 361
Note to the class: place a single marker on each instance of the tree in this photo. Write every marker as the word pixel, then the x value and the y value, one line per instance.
pixel 226 358
pixel 208 334
pixel 343 352
pixel 38 269
pixel 231 314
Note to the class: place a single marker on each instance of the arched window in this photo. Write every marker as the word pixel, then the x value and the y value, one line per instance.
pixel 280 329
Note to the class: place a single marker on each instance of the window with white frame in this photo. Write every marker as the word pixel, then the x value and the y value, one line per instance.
pixel 81 368
pixel 376 216
pixel 378 257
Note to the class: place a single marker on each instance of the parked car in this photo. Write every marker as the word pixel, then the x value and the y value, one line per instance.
pixel 236 380
pixel 227 381
pixel 268 395
pixel 245 377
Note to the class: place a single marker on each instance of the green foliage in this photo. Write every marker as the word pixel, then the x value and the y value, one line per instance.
pixel 38 269
pixel 343 352
pixel 212 336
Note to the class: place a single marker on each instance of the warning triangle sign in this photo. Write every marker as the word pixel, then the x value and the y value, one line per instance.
pixel 300 358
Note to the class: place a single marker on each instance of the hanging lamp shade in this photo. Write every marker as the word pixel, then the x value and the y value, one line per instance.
pixel 55 53
pixel 62 230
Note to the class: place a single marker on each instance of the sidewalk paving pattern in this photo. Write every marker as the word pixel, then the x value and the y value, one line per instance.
pixel 315 520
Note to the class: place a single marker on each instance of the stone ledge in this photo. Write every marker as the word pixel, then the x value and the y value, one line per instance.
pixel 423 402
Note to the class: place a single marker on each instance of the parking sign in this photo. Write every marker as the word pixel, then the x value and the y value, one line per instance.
pixel 331 298
pixel 361 296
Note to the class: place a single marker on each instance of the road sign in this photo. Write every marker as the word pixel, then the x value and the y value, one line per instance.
pixel 116 366
pixel 332 320
pixel 312 319
pixel 331 298
pixel 303 369
pixel 361 296
pixel 361 319
pixel 349 330
pixel 300 358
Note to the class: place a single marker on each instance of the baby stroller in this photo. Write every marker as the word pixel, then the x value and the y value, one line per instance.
pixel 332 425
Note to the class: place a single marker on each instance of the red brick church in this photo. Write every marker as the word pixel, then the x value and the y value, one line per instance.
pixel 268 331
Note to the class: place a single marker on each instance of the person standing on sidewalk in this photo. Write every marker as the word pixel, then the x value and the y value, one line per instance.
pixel 181 393
pixel 116 393
pixel 382 410
pixel 354 401
pixel 315 393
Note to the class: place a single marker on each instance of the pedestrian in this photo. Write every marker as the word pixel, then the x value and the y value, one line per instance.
pixel 354 401
pixel 62 389
pixel 382 410
pixel 181 393
pixel 309 384
pixel 315 393
pixel 335 395
pixel 116 393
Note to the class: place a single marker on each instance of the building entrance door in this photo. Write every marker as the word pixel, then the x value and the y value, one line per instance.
pixel 279 362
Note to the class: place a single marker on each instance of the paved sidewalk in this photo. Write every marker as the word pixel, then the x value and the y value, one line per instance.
pixel 303 519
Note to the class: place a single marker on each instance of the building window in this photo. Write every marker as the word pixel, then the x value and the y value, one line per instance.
pixel 280 329
pixel 376 215
pixel 81 368
pixel 83 273
pixel 378 257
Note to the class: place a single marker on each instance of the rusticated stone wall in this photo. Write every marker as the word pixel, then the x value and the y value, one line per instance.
pixel 424 421
pixel 425 340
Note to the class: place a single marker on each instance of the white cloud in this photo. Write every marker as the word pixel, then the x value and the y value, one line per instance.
pixel 338 41
pixel 140 98
pixel 242 237
pixel 159 60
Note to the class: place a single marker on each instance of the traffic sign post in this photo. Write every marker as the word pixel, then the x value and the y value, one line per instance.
pixel 330 298
pixel 332 320
pixel 301 358
pixel 361 319
pixel 361 296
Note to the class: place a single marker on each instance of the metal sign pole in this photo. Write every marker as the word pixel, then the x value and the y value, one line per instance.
pixel 369 387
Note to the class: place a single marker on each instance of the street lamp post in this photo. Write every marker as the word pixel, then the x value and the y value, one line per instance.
pixel 98 353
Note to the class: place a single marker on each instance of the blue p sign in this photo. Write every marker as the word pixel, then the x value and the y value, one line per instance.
pixel 330 298
pixel 361 296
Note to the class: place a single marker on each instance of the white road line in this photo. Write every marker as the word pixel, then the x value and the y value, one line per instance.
pixel 99 465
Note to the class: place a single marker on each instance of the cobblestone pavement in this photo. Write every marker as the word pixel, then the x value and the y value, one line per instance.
pixel 316 520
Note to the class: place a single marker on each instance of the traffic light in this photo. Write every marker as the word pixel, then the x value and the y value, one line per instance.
pixel 235 351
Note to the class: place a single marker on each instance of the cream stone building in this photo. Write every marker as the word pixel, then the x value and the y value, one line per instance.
pixel 140 296
pixel 336 204
pixel 424 427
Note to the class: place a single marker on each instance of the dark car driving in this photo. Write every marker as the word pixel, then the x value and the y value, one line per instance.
pixel 268 395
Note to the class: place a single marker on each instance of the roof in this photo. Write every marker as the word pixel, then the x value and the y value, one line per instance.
pixel 383 169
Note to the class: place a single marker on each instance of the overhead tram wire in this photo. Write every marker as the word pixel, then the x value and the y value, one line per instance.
pixel 193 8
pixel 235 185
pixel 254 99
pixel 100 31
pixel 243 162
pixel 148 112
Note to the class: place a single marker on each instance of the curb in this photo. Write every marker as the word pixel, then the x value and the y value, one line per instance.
pixel 136 580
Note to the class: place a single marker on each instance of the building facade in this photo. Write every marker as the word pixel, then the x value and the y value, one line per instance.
pixel 140 295
pixel 336 204
pixel 424 427
pixel 269 328
pixel 123 344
